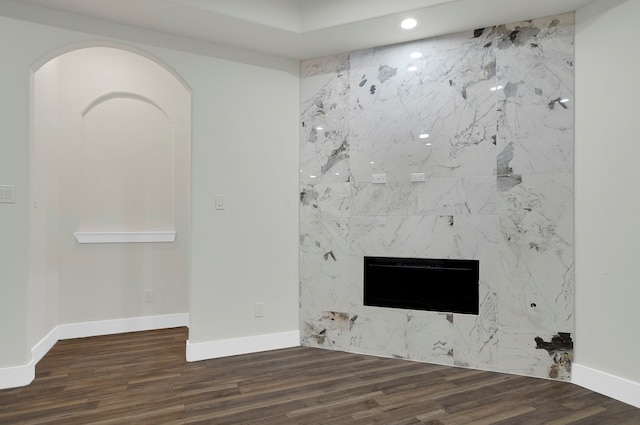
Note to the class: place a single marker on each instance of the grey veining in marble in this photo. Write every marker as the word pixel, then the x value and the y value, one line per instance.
pixel 497 106
pixel 324 130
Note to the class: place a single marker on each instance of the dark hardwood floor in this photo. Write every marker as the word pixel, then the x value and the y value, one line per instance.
pixel 142 378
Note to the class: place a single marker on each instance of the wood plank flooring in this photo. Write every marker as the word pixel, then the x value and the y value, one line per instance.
pixel 142 378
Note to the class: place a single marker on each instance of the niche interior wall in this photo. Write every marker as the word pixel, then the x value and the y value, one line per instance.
pixel 497 106
pixel 111 167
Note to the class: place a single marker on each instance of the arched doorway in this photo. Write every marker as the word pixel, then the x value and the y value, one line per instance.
pixel 110 187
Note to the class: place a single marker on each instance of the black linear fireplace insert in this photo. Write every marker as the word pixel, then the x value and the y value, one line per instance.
pixel 422 284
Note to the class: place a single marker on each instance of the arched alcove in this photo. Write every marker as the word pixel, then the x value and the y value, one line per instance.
pixel 127 166
pixel 110 165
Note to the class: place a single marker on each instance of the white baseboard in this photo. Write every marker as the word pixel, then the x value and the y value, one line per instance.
pixel 610 385
pixel 19 376
pixel 236 346
pixel 44 345
pixel 118 326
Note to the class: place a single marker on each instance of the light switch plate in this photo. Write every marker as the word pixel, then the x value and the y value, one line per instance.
pixel 378 178
pixel 7 194
pixel 219 202
pixel 259 309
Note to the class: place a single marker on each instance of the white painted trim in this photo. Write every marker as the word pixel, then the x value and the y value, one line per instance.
pixel 604 383
pixel 44 345
pixel 236 346
pixel 133 324
pixel 19 376
pixel 124 237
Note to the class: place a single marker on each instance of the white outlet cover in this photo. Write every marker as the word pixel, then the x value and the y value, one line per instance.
pixel 417 177
pixel 378 178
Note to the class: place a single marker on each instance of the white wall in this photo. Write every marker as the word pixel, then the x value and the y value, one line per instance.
pixel 607 176
pixel 245 124
pixel 14 170
pixel 244 145
pixel 44 187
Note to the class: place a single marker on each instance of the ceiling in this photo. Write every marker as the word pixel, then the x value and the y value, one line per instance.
pixel 302 29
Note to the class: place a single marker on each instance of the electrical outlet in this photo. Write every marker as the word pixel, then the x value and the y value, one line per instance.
pixel 417 177
pixel 148 295
pixel 259 310
pixel 378 178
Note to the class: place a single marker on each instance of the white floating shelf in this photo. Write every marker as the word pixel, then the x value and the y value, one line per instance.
pixel 124 237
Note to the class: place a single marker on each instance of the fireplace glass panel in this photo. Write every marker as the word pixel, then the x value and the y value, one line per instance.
pixel 441 285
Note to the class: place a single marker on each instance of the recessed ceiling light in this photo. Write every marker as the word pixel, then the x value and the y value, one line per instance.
pixel 424 136
pixel 372 163
pixel 408 23
pixel 313 177
pixel 496 88
pixel 412 68
pixel 427 144
pixel 416 55
pixel 319 128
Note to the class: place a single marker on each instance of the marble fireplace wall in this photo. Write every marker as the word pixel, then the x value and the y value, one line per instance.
pixel 498 165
